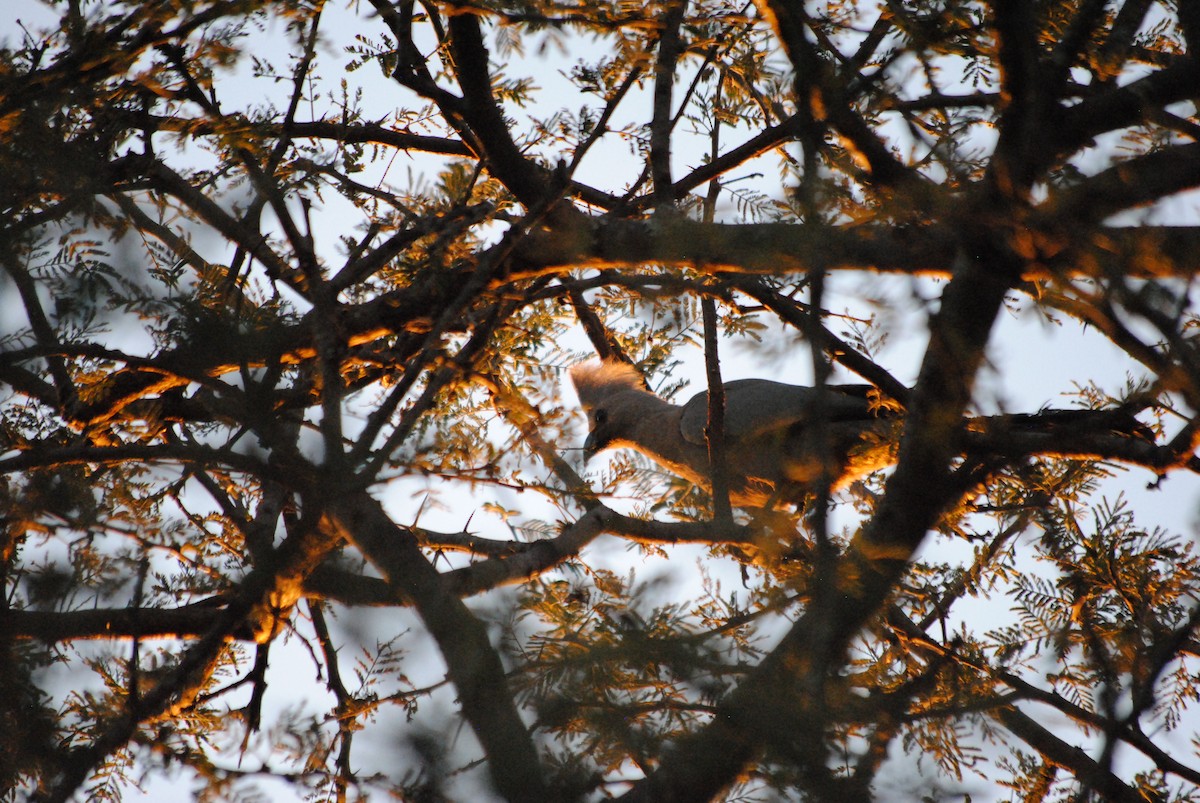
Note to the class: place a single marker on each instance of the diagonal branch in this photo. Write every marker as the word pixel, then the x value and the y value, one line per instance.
pixel 472 663
pixel 1129 184
pixel 481 110
pixel 264 597
pixel 823 101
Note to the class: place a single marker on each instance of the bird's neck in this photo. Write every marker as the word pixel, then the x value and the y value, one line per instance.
pixel 656 434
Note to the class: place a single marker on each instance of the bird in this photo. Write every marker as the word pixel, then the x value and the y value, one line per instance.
pixel 774 449
pixel 782 441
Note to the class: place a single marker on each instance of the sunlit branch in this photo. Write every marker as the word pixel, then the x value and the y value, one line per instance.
pixel 263 597
pixel 918 639
pixel 189 621
pixel 777 249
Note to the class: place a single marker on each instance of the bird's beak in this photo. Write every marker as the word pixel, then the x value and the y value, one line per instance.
pixel 590 446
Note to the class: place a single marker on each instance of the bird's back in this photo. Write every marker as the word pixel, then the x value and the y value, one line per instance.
pixel 779 436
pixel 755 407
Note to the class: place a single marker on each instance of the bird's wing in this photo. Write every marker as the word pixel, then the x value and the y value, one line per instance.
pixel 756 406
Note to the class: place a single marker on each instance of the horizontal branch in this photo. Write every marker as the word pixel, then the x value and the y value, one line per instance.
pixel 777 248
pixel 45 457
pixel 1073 444
pixel 529 559
pixel 190 621
pixel 525 561
pixel 508 562
pixel 343 133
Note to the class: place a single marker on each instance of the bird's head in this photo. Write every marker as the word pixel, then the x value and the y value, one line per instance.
pixel 610 393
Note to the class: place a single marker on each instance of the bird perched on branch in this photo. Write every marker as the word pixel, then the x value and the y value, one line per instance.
pixel 771 443
pixel 778 437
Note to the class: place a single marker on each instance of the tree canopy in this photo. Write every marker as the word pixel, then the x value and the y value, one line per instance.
pixel 290 483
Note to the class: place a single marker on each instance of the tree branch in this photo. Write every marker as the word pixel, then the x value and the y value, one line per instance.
pixel 189 621
pixel 776 249
pixel 473 664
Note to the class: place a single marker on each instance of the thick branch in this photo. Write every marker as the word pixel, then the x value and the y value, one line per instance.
pixel 1064 755
pixel 781 248
pixel 527 180
pixel 473 665
pixel 108 623
pixel 1027 109
pixel 1126 185
pixel 670 45
pixel 1125 106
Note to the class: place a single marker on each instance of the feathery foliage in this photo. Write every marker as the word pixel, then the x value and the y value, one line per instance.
pixel 290 499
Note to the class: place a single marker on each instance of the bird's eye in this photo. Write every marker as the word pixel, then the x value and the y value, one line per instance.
pixel 600 416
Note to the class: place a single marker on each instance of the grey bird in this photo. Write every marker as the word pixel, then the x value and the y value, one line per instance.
pixel 772 450
pixel 776 435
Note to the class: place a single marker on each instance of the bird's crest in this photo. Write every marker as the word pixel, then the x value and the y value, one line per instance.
pixel 595 381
